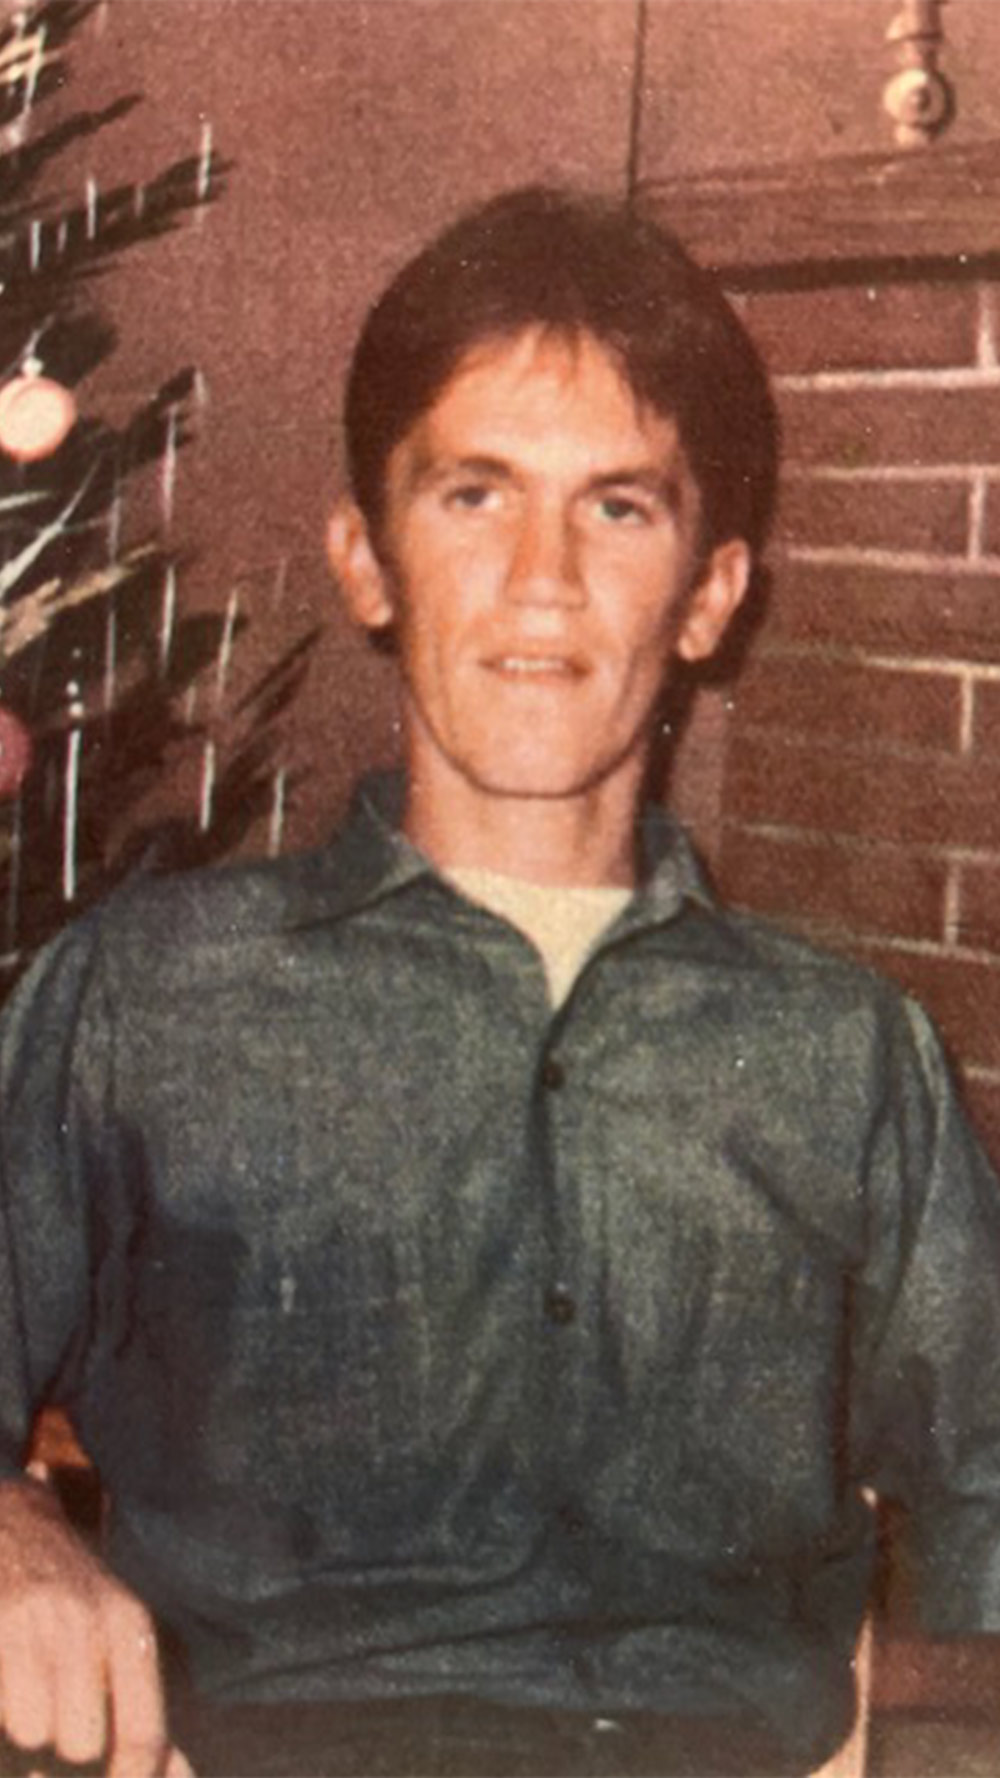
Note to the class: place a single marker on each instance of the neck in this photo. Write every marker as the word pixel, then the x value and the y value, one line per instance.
pixel 585 840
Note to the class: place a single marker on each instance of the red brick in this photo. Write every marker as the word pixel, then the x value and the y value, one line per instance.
pixel 959 1681
pixel 962 997
pixel 909 325
pixel 858 428
pixel 873 706
pixel 865 889
pixel 946 616
pixel 986 716
pixel 979 906
pixel 991 524
pixel 932 516
pixel 777 781
pixel 983 1100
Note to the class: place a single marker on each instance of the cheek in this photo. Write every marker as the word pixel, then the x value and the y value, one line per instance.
pixel 645 579
pixel 431 627
pixel 647 626
pixel 646 650
pixel 444 582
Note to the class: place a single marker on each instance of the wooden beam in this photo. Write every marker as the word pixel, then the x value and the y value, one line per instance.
pixel 930 212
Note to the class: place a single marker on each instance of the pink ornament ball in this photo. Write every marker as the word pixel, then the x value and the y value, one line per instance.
pixel 36 414
pixel 15 753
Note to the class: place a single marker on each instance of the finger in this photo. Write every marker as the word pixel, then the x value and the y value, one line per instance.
pixel 27 1686
pixel 80 1713
pixel 178 1765
pixel 139 1741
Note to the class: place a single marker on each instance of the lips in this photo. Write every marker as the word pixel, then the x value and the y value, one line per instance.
pixel 530 667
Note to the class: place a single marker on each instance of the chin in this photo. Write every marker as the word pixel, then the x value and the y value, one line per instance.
pixel 544 782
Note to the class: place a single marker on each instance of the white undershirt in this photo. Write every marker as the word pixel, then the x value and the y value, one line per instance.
pixel 562 923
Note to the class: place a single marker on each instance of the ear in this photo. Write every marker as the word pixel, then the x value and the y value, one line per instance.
pixel 358 571
pixel 716 596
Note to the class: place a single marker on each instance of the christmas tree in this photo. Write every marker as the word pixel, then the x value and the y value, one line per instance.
pixel 100 676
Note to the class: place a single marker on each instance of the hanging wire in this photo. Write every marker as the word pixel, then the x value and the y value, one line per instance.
pixel 636 111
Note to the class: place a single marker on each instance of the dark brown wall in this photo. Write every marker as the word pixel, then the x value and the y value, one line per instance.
pixel 354 130
pixel 738 83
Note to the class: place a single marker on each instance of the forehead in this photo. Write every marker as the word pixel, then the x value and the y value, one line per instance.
pixel 541 393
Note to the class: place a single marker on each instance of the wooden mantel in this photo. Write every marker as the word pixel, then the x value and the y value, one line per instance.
pixel 932 212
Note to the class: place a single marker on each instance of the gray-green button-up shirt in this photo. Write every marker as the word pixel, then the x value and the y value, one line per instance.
pixel 427 1340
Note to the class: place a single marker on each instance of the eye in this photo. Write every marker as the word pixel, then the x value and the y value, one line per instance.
pixel 624 509
pixel 469 496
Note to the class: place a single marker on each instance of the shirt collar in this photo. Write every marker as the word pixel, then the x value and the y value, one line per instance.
pixel 371 858
pixel 670 871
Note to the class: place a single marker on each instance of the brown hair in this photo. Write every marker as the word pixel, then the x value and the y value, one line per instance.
pixel 573 265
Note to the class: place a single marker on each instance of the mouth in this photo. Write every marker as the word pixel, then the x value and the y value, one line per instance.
pixel 535 667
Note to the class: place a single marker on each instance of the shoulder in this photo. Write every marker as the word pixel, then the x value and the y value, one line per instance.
pixel 770 955
pixel 157 927
pixel 753 957
pixel 185 908
pixel 815 1000
pixel 834 1053
pixel 187 919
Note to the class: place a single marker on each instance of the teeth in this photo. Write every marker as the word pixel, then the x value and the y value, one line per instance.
pixel 510 663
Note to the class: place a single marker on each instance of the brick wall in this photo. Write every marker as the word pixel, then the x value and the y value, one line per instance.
pixel 860 793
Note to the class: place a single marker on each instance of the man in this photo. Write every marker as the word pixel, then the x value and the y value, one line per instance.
pixel 487 1274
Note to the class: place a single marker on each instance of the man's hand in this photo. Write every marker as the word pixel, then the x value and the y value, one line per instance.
pixel 79 1665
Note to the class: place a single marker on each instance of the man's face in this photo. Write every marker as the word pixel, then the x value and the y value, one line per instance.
pixel 539 566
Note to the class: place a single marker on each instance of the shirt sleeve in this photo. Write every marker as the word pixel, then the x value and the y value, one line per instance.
pixel 929 1334
pixel 54 1048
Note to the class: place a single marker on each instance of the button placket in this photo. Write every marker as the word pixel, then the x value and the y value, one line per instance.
pixel 560 1305
pixel 553 1074
pixel 560 1301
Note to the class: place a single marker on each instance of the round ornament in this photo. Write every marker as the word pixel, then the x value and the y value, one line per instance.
pixel 15 752
pixel 36 414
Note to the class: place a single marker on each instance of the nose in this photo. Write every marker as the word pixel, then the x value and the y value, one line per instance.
pixel 544 567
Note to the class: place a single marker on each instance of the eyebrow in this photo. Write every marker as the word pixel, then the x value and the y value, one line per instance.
pixel 664 484
pixel 428 470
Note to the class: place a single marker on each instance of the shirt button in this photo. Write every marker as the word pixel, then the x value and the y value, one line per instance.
pixel 553 1074
pixel 571 1518
pixel 559 1305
